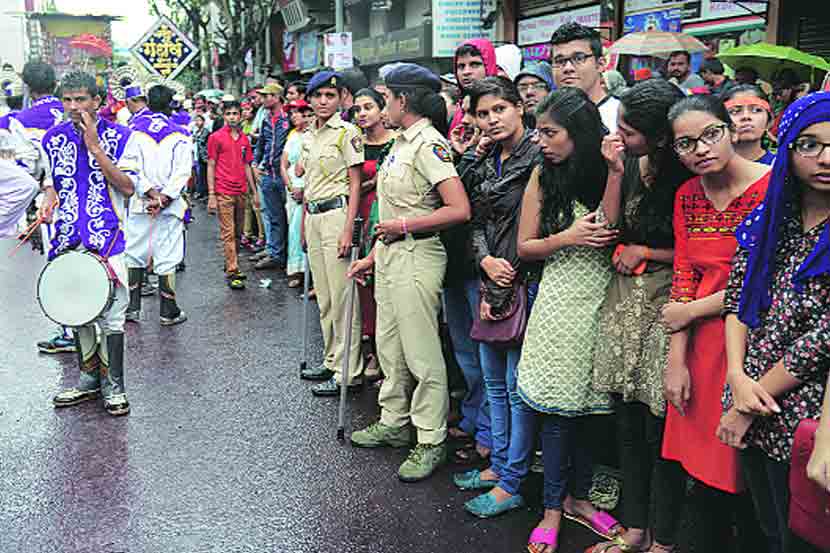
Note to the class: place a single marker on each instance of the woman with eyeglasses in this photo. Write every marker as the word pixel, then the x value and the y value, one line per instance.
pixel 707 210
pixel 777 322
pixel 752 117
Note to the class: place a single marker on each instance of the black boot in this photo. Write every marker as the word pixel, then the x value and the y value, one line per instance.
pixel 135 277
pixel 112 376
pixel 169 310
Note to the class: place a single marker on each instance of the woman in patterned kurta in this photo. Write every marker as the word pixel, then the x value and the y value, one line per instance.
pixel 778 324
pixel 632 345
pixel 706 211
pixel 559 225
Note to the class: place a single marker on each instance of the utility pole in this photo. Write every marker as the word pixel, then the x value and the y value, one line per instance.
pixel 338 16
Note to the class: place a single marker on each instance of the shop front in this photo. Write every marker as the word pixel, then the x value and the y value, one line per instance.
pixel 413 44
pixel 534 32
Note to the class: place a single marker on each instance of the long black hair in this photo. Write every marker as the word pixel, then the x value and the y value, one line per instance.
pixel 581 178
pixel 703 103
pixel 425 102
pixel 376 96
pixel 645 107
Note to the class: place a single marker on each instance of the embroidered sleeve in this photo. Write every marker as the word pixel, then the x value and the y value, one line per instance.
pixel 808 358
pixel 685 279
pixel 736 281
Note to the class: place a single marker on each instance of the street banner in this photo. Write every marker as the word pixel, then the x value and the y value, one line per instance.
pixel 164 50
pixel 338 51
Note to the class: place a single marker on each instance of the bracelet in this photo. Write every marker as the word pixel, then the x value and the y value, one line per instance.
pixel 403 225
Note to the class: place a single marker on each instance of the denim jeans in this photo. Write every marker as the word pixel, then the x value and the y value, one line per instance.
pixel 274 217
pixel 462 305
pixel 566 451
pixel 512 421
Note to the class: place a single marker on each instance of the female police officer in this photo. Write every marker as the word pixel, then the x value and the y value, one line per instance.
pixel 419 194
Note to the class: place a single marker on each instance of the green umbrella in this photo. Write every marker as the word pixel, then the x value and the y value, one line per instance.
pixel 767 59
pixel 211 93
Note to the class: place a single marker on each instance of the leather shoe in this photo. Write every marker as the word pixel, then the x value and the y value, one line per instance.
pixel 268 262
pixel 316 373
pixel 331 388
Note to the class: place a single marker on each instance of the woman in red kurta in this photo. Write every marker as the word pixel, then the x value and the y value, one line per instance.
pixel 707 210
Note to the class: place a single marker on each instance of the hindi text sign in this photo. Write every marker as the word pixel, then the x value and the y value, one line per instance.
pixel 164 50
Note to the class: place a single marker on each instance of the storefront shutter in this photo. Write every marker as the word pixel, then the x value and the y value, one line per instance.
pixel 814 36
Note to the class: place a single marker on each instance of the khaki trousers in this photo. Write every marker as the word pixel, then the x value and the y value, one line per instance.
pixel 322 233
pixel 409 276
pixel 231 212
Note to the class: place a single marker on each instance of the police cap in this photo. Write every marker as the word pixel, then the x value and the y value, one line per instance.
pixel 324 79
pixel 412 75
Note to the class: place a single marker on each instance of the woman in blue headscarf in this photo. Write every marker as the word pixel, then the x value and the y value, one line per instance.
pixel 777 321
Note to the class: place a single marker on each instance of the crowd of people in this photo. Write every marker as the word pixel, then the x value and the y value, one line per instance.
pixel 653 257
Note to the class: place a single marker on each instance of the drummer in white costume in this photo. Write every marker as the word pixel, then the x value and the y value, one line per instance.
pixel 94 171
pixel 155 225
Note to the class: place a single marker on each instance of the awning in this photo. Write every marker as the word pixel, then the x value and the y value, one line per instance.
pixel 724 25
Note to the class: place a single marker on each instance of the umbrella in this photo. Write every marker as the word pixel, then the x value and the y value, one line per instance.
pixel 91 44
pixel 656 43
pixel 211 93
pixel 767 59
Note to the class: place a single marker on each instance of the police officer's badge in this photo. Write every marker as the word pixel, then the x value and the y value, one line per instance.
pixel 442 153
pixel 357 143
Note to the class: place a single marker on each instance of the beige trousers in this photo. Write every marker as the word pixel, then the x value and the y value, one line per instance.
pixel 409 276
pixel 322 233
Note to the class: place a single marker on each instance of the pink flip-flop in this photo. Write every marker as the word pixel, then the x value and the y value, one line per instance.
pixel 547 536
pixel 600 524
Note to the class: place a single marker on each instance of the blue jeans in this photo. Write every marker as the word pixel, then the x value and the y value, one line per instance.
pixel 274 217
pixel 566 451
pixel 513 422
pixel 462 305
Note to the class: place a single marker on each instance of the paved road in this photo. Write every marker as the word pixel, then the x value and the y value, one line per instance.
pixel 225 450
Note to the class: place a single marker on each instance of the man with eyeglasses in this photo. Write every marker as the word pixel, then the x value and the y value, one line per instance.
pixel 576 53
pixel 534 82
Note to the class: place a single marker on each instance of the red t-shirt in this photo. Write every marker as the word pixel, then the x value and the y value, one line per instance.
pixel 231 157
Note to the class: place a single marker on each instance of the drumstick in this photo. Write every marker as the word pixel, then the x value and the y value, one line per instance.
pixel 29 231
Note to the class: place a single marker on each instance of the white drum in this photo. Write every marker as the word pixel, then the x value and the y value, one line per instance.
pixel 75 288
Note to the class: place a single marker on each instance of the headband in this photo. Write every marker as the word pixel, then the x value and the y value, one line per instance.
pixel 751 101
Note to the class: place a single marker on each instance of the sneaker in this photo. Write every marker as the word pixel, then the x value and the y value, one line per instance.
pixel 244 241
pixel 331 388
pixel 268 262
pixel 423 460
pixel 316 373
pixel 148 289
pixel 133 316
pixel 258 256
pixel 58 344
pixel 74 396
pixel 236 283
pixel 182 317
pixel 117 405
pixel 380 435
pixel 259 244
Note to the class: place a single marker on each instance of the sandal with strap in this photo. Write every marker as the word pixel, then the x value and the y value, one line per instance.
pixel 618 542
pixel 544 536
pixel 601 524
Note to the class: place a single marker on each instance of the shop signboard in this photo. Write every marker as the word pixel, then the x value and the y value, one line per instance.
pixel 164 50
pixel 662 20
pixel 537 30
pixel 698 10
pixel 453 22
pixel 405 44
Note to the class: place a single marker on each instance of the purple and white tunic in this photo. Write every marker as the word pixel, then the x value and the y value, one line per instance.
pixel 89 212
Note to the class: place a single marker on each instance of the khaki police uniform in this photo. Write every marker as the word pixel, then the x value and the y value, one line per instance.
pixel 409 276
pixel 327 154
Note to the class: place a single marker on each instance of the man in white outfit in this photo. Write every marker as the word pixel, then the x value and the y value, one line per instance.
pixel 155 223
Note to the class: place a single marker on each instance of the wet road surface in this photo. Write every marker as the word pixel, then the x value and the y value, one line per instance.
pixel 225 450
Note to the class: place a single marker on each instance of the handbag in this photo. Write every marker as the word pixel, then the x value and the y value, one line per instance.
pixel 509 329
pixel 809 504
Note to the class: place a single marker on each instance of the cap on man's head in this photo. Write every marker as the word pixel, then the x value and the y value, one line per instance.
pixel 135 90
pixel 412 75
pixel 538 69
pixel 324 79
pixel 228 98
pixel 272 88
pixel 297 104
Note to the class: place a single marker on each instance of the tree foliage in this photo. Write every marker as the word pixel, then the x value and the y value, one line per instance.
pixel 239 27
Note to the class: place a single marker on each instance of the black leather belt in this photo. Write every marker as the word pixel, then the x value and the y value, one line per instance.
pixel 414 235
pixel 315 208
